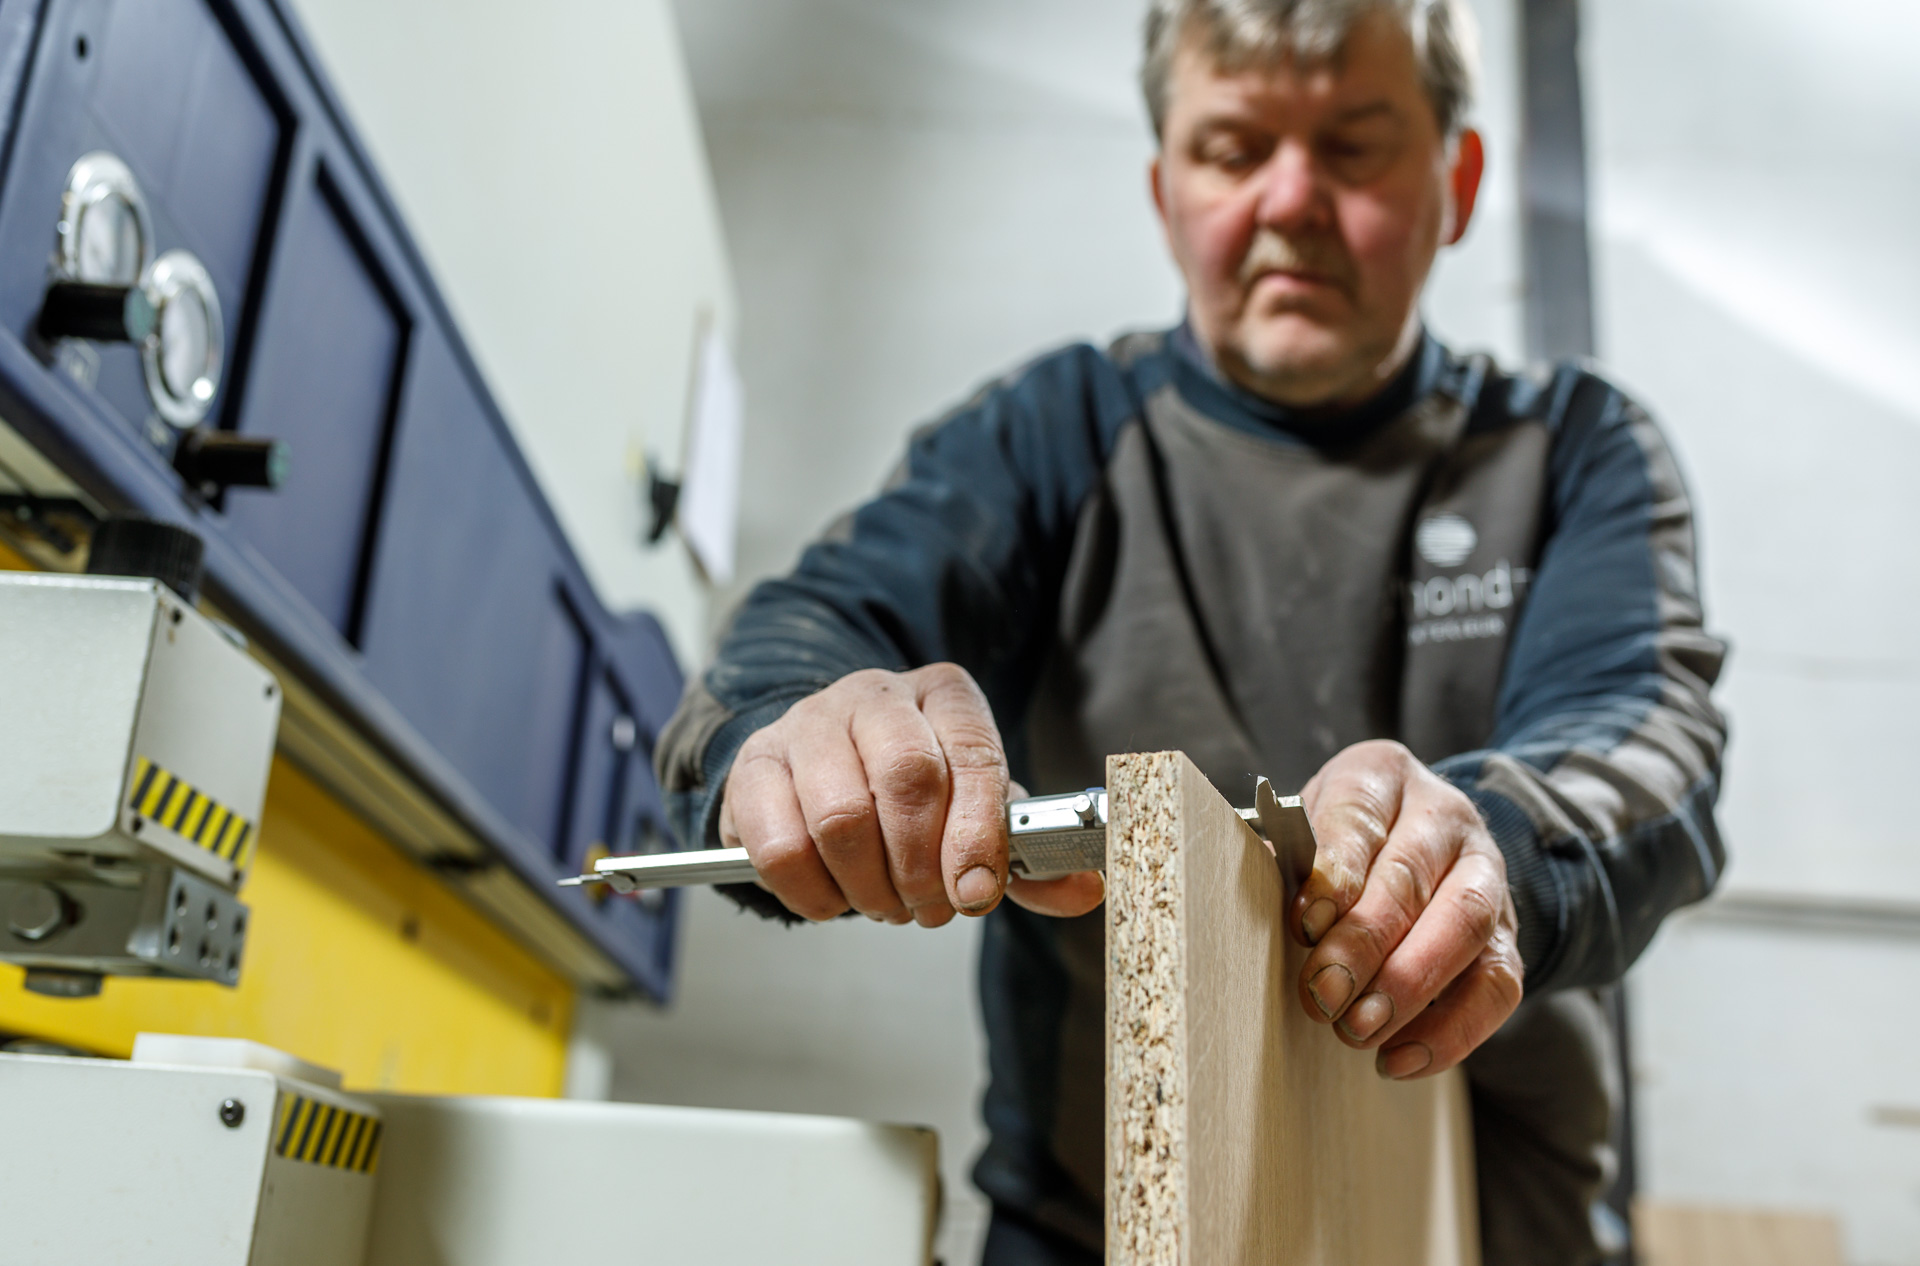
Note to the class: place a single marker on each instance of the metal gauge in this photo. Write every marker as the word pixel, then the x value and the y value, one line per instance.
pixel 184 350
pixel 106 235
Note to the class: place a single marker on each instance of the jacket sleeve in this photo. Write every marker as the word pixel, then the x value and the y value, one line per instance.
pixel 958 560
pixel 1600 780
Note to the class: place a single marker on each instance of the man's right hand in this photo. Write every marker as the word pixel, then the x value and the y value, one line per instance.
pixel 886 793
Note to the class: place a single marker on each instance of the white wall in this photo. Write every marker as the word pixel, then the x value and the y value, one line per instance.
pixel 1756 166
pixel 918 198
pixel 548 159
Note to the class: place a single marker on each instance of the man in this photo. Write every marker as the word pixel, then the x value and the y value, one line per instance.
pixel 1296 537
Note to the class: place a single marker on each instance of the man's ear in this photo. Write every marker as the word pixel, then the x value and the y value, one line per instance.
pixel 1463 183
pixel 1156 178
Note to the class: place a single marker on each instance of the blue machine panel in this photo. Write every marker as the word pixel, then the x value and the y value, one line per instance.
pixel 163 86
pixel 325 384
pixel 467 588
pixel 606 744
pixel 410 570
pixel 195 125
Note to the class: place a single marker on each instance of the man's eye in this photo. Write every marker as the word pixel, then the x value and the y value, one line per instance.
pixel 1230 157
pixel 1356 160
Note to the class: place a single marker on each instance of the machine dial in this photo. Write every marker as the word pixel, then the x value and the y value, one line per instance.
pixel 106 235
pixel 184 350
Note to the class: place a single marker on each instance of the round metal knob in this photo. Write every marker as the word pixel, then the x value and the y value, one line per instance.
pixel 106 236
pixel 184 354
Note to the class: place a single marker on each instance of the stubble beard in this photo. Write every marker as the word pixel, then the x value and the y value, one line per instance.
pixel 1312 351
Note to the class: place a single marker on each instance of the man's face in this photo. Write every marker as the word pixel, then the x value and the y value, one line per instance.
pixel 1305 206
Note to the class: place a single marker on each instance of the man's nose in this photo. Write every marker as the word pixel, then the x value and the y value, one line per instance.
pixel 1291 194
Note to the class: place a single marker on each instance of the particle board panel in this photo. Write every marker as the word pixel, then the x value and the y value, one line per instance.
pixel 1239 1131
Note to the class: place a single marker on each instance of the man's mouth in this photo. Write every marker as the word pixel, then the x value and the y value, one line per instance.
pixel 1280 285
pixel 1293 277
pixel 1275 263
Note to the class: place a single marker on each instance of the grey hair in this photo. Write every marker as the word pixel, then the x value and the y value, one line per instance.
pixel 1244 34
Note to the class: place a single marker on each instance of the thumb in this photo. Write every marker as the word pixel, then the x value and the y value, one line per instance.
pixel 1068 897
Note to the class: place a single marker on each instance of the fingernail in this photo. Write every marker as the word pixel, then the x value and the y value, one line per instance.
pixel 1318 918
pixel 1403 1061
pixel 1331 986
pixel 1369 1015
pixel 977 888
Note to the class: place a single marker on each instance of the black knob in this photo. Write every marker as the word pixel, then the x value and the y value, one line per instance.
pixel 107 314
pixel 145 548
pixel 210 460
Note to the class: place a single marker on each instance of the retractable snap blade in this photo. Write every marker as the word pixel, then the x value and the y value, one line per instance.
pixel 1048 837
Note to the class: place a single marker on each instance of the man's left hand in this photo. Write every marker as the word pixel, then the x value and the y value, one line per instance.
pixel 1415 941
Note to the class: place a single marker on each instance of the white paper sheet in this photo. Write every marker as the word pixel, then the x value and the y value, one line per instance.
pixel 709 514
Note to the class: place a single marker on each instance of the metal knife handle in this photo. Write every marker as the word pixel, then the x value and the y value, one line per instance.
pixel 1048 836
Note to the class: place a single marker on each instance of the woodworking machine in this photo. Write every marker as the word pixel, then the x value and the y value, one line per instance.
pixel 134 759
pixel 1048 837
pixel 133 766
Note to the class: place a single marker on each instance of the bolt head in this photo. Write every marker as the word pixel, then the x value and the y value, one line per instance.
pixel 36 912
pixel 232 1113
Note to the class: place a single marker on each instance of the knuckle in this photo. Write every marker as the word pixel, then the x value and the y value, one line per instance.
pixel 1453 800
pixel 945 676
pixel 1395 752
pixel 762 749
pixel 1462 819
pixel 1375 942
pixel 810 711
pixel 911 773
pixel 1505 983
pixel 916 876
pixel 1380 752
pixel 843 825
pixel 1479 913
pixel 867 681
pixel 1405 886
pixel 784 861
pixel 972 747
pixel 1362 817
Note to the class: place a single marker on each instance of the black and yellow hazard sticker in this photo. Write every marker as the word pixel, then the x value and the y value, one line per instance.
pixel 317 1133
pixel 190 813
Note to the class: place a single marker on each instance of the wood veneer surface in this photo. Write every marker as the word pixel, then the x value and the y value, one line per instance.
pixel 1239 1131
pixel 1706 1235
